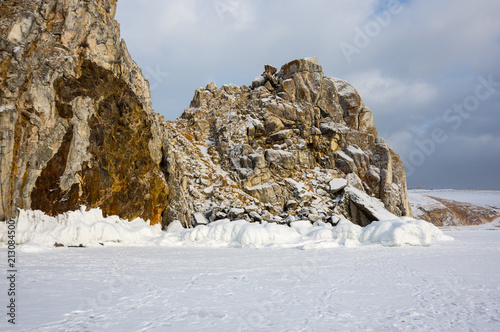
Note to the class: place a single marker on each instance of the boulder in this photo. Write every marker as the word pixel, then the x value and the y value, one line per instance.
pixel 291 205
pixel 273 124
pixel 220 215
pixel 337 185
pixel 283 159
pixel 373 177
pixel 258 161
pixel 258 82
pixel 360 158
pixel 281 136
pixel 255 216
pixel 344 162
pixel 362 209
pixel 199 219
pixel 270 70
pixel 236 213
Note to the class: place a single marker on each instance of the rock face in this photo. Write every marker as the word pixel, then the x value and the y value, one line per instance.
pixel 295 143
pixel 77 125
pixel 77 128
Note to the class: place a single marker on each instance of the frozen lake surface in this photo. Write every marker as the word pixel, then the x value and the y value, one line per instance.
pixel 448 286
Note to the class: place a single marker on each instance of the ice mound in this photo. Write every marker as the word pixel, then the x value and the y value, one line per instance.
pixel 402 232
pixel 240 232
pixel 35 230
pixel 80 227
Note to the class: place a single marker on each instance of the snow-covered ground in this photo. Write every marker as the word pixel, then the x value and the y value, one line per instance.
pixel 449 286
pixel 395 275
pixel 479 197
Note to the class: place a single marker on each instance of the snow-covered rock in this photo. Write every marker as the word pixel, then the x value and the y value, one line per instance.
pixel 372 206
pixel 336 185
pixel 235 213
pixel 199 219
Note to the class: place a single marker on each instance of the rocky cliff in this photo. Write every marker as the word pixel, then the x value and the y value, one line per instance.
pixel 78 128
pixel 77 125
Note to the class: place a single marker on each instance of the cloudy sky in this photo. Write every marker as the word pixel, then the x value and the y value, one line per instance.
pixel 428 70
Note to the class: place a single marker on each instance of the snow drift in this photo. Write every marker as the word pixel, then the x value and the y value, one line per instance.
pixel 90 228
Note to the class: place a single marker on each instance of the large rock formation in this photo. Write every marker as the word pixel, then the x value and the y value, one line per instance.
pixel 77 125
pixel 295 141
pixel 78 128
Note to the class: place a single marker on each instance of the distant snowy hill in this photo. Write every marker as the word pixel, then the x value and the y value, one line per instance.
pixel 490 198
pixel 455 207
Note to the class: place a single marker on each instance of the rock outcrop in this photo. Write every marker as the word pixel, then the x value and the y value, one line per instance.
pixel 78 128
pixel 77 125
pixel 294 143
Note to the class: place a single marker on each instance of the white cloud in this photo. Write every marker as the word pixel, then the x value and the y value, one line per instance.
pixel 381 89
pixel 240 14
pixel 177 15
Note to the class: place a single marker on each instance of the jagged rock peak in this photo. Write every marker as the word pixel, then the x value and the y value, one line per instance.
pixel 288 140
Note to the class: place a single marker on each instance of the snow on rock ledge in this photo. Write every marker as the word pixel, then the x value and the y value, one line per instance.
pixel 90 228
